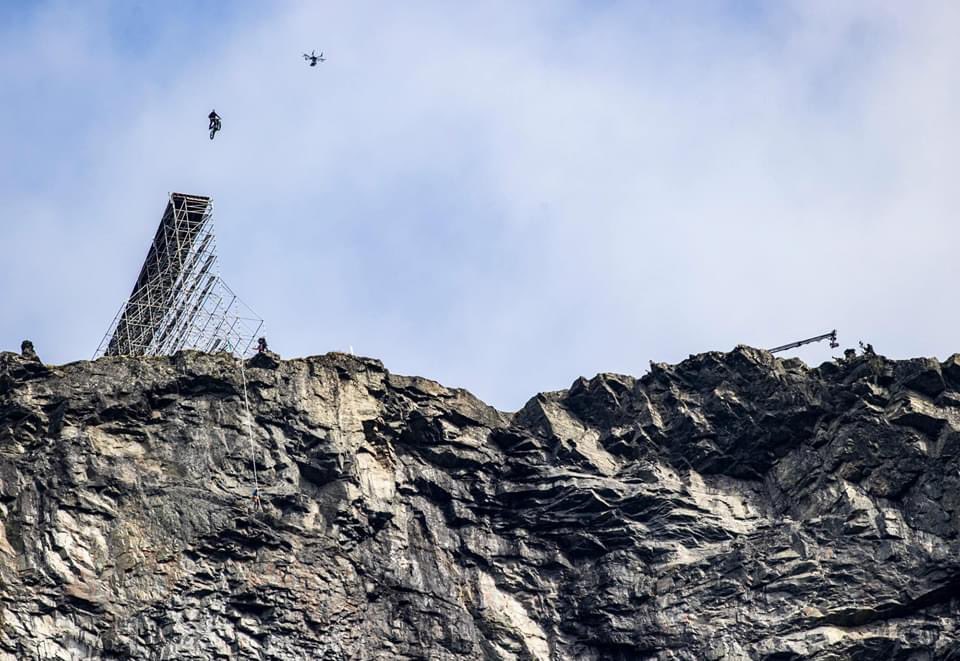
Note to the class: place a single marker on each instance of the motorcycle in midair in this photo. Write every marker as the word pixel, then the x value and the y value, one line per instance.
pixel 214 123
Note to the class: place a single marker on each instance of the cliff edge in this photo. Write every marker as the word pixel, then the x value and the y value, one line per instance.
pixel 733 506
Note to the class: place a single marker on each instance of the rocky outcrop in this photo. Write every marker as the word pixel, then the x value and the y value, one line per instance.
pixel 734 506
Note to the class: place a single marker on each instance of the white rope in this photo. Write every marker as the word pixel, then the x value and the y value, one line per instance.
pixel 253 447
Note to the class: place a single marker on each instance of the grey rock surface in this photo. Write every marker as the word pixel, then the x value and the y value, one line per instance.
pixel 734 506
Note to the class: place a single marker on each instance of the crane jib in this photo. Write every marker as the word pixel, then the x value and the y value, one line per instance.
pixel 832 336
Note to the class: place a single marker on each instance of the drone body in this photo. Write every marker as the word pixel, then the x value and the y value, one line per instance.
pixel 313 58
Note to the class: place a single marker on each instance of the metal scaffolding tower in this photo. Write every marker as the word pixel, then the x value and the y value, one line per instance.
pixel 179 300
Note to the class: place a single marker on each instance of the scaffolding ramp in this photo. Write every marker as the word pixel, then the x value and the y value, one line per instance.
pixel 179 301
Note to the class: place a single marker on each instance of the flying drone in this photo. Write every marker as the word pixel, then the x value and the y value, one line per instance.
pixel 313 58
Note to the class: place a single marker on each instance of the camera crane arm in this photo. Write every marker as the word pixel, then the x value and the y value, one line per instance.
pixel 832 336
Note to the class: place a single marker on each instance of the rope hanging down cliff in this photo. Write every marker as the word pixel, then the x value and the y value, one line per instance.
pixel 253 454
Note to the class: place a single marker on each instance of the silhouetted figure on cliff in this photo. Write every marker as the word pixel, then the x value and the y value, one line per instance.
pixel 28 352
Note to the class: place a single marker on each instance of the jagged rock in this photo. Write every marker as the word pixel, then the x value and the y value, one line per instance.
pixel 951 370
pixel 733 506
pixel 923 375
pixel 266 359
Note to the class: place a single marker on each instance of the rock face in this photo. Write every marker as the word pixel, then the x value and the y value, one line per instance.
pixel 734 506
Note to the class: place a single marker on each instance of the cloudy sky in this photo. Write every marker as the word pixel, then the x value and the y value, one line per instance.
pixel 499 196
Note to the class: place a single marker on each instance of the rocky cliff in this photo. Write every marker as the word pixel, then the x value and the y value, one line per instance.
pixel 734 506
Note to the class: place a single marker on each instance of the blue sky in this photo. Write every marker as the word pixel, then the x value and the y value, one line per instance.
pixel 500 196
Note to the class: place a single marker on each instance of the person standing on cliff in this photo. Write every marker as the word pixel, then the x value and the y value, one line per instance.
pixel 28 352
